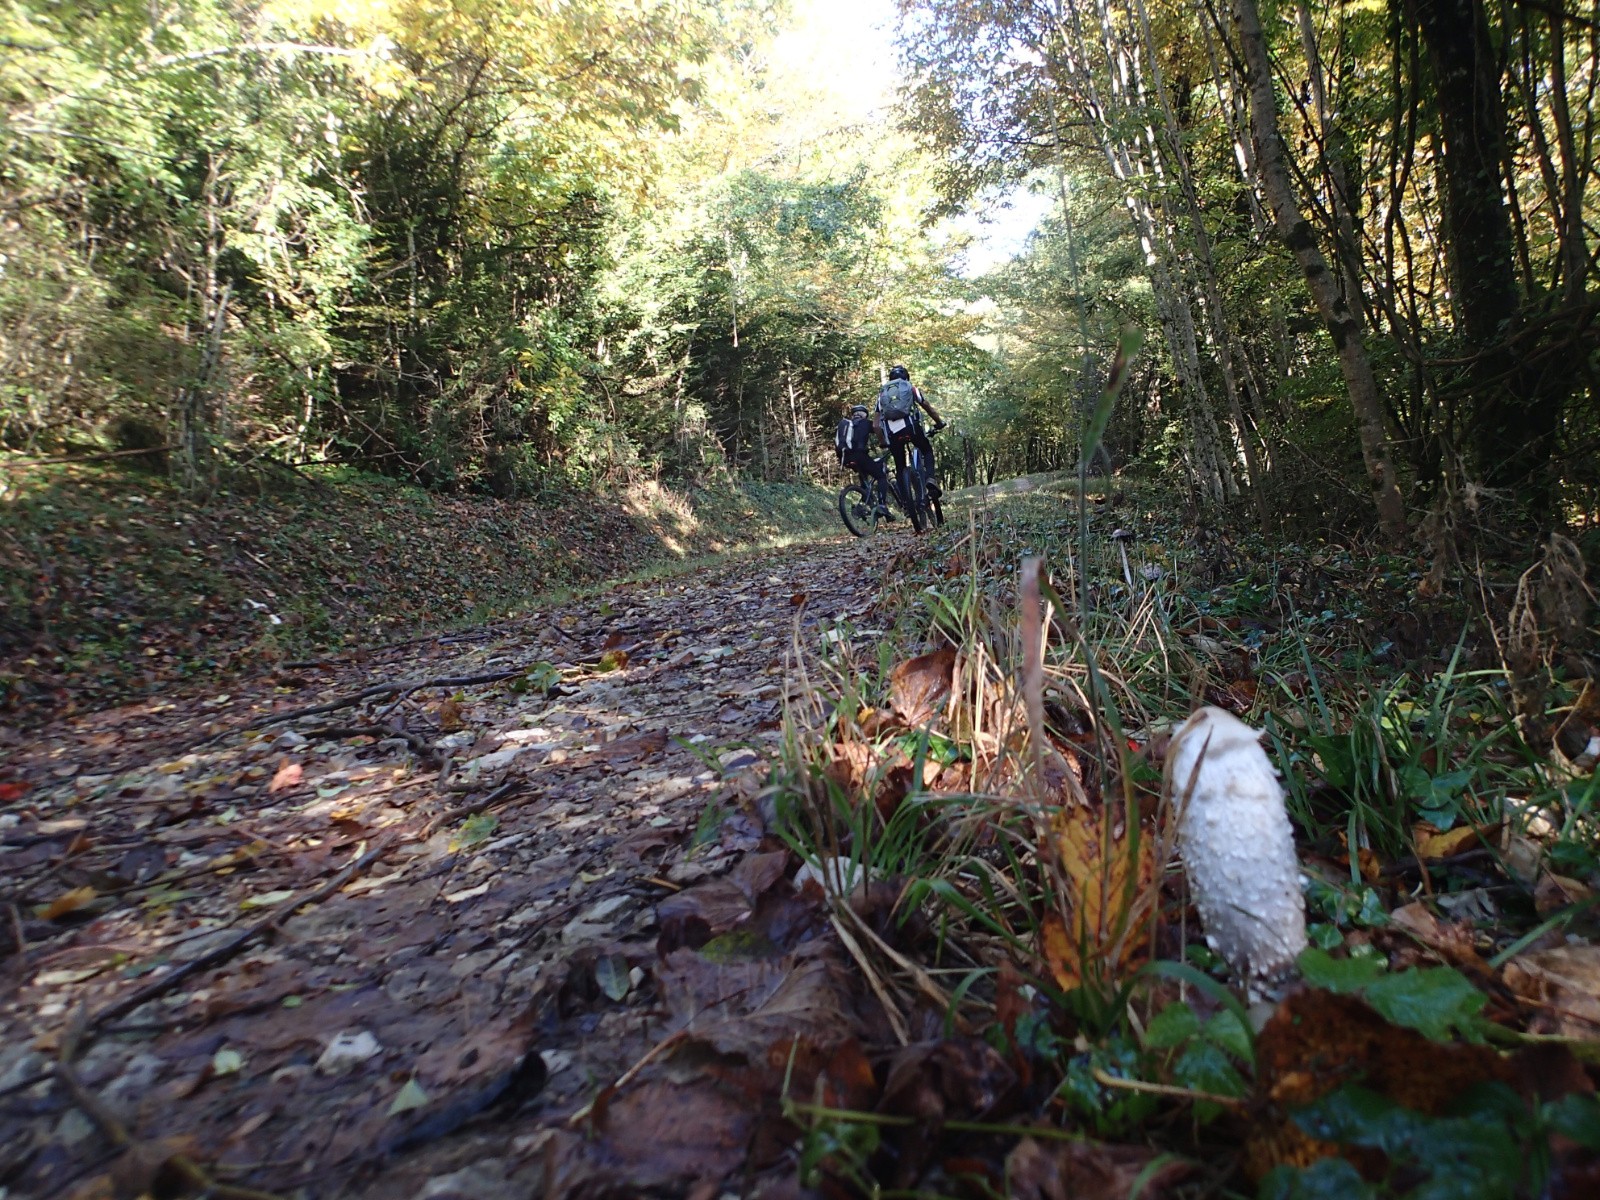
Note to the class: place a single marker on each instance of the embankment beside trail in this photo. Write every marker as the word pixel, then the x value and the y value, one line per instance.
pixel 113 583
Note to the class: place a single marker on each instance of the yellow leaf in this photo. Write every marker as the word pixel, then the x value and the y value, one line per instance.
pixel 67 902
pixel 1431 845
pixel 1108 883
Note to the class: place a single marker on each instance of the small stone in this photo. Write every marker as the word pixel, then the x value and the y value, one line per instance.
pixel 348 1050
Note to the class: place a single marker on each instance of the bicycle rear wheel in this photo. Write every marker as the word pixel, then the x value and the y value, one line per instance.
pixel 858 511
pixel 912 497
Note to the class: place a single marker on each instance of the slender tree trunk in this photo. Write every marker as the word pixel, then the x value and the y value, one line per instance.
pixel 1296 234
pixel 1516 410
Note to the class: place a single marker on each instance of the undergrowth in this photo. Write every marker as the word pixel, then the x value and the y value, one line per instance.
pixel 1006 785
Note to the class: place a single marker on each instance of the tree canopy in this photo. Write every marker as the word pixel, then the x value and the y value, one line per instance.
pixel 512 247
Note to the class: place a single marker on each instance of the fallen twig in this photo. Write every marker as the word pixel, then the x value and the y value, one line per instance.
pixel 420 746
pixel 115 1132
pixel 1165 1089
pixel 122 1007
pixel 471 809
pixel 377 689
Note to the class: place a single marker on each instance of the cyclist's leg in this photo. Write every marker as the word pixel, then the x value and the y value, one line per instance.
pixel 925 444
pixel 881 474
pixel 897 447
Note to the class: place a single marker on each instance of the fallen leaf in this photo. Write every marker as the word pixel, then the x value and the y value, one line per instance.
pixel 613 660
pixel 1317 1041
pixel 1084 1170
pixel 611 973
pixel 287 775
pixel 1554 892
pixel 409 1097
pixel 919 686
pixel 1563 986
pixel 67 902
pixel 449 715
pixel 1109 879
pixel 1433 845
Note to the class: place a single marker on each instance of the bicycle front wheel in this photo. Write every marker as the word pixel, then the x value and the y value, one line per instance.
pixel 858 511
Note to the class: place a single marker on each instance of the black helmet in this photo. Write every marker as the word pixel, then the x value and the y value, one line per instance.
pixel 858 410
pixel 899 372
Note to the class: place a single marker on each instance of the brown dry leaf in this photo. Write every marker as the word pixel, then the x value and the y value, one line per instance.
pixel 962 1078
pixel 1086 1171
pixel 613 660
pixel 688 1132
pixel 450 715
pixel 1563 985
pixel 1555 892
pixel 636 745
pixel 919 686
pixel 133 1173
pixel 1108 883
pixel 288 775
pixel 1453 942
pixel 67 902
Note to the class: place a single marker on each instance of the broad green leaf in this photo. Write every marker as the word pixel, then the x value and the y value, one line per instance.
pixel 1224 1030
pixel 1172 1026
pixel 1576 1117
pixel 1345 976
pixel 1434 1001
pixel 1327 1179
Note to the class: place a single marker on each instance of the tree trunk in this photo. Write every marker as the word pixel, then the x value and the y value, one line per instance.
pixel 1516 410
pixel 1296 234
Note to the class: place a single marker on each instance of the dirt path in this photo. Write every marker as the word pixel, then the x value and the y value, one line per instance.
pixel 485 966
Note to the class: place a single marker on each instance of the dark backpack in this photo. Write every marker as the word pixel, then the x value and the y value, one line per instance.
pixel 896 398
pixel 850 438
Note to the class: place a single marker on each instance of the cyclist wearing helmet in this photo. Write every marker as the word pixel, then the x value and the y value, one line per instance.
pixel 852 440
pixel 898 424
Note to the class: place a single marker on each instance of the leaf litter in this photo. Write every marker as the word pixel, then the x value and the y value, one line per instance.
pixel 672 896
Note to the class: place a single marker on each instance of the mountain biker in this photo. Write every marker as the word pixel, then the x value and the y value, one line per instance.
pixel 853 440
pixel 898 424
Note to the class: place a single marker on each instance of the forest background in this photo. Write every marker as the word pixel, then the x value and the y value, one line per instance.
pixel 521 249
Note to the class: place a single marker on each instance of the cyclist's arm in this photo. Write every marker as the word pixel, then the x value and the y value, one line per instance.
pixel 932 412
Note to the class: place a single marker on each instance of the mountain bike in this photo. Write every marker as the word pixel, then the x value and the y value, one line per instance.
pixel 924 507
pixel 859 508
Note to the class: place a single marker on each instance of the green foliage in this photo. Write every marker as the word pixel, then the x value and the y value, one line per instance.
pixel 1489 1146
pixel 1438 1002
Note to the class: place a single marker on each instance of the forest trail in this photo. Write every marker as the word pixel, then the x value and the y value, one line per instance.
pixel 485 861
